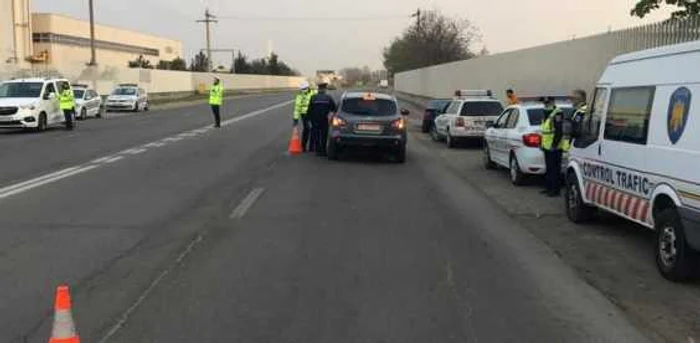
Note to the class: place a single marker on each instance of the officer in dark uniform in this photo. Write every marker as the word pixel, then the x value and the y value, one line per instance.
pixel 578 97
pixel 556 140
pixel 320 106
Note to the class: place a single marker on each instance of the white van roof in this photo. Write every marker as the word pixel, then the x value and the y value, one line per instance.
pixel 676 49
pixel 673 64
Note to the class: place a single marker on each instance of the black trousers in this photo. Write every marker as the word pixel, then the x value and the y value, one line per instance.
pixel 552 159
pixel 68 115
pixel 307 135
pixel 320 129
pixel 217 115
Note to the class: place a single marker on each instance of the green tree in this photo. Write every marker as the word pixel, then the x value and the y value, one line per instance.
pixel 240 64
pixel 140 62
pixel 685 7
pixel 200 63
pixel 434 39
pixel 178 64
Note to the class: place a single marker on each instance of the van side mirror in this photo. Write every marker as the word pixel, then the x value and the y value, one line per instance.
pixel 405 112
pixel 49 96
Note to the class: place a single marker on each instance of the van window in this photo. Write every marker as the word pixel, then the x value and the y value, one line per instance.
pixel 628 114
pixel 591 122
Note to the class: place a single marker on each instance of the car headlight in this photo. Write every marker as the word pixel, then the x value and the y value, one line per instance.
pixel 30 107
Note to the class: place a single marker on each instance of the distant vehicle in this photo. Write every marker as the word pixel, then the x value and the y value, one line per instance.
pixel 31 103
pixel 87 102
pixel 513 141
pixel 432 110
pixel 638 152
pixel 384 84
pixel 368 120
pixel 127 97
pixel 466 117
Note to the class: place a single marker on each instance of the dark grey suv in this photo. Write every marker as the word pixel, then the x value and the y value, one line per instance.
pixel 368 120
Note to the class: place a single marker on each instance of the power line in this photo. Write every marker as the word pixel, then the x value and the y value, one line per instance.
pixel 335 19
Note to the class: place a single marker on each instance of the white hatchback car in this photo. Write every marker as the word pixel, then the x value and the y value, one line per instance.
pixel 87 102
pixel 513 141
pixel 466 117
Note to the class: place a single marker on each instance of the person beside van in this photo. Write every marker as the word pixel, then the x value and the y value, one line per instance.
pixel 555 142
pixel 578 98
pixel 512 98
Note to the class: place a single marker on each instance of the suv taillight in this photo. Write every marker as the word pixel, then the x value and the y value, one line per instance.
pixel 399 124
pixel 338 122
pixel 532 140
pixel 460 122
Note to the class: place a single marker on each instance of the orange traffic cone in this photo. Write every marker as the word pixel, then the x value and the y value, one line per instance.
pixel 63 325
pixel 295 143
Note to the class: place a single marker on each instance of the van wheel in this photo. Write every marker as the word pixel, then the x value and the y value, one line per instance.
pixel 576 210
pixel 41 126
pixel 675 259
pixel 488 162
pixel 517 177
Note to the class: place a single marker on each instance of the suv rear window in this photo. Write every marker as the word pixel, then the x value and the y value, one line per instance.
pixel 481 108
pixel 372 108
pixel 21 89
pixel 536 115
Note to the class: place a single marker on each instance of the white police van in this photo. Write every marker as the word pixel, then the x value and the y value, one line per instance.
pixel 638 152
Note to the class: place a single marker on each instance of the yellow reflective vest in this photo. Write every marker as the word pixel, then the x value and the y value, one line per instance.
pixel 66 100
pixel 548 132
pixel 301 103
pixel 216 94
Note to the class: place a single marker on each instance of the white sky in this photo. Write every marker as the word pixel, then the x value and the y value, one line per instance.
pixel 504 24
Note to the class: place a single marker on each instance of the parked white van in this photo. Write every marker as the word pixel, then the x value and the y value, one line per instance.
pixel 638 153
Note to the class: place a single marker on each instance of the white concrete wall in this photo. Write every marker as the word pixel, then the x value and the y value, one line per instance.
pixel 549 69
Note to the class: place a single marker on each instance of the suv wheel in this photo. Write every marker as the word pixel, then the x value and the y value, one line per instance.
pixel 41 125
pixel 451 142
pixel 517 177
pixel 675 259
pixel 576 210
pixel 488 162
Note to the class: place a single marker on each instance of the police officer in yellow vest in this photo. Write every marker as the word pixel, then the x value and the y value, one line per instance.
pixel 301 107
pixel 66 101
pixel 216 99
pixel 556 140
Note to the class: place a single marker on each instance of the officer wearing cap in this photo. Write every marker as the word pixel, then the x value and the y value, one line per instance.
pixel 320 107
pixel 555 142
pixel 578 97
pixel 216 99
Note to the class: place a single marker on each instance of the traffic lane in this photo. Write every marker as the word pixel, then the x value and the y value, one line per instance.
pixel 109 230
pixel 25 155
pixel 362 251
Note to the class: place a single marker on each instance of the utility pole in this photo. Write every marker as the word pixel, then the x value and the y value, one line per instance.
pixel 93 58
pixel 208 19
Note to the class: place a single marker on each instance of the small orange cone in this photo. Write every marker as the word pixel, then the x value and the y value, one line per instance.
pixel 295 143
pixel 63 325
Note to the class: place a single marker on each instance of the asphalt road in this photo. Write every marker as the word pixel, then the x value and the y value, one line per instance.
pixel 170 232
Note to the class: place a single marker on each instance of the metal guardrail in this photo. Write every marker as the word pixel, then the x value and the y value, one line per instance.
pixel 668 32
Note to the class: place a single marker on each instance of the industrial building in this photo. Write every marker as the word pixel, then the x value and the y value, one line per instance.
pixel 59 42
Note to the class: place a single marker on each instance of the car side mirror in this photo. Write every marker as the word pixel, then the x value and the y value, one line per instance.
pixel 49 96
pixel 405 112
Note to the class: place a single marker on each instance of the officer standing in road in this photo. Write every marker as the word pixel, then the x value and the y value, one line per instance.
pixel 216 99
pixel 301 109
pixel 66 101
pixel 555 142
pixel 320 107
pixel 578 97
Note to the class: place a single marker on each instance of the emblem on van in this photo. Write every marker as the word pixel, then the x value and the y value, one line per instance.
pixel 678 108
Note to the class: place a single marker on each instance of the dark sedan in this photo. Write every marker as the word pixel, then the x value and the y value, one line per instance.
pixel 432 110
pixel 368 120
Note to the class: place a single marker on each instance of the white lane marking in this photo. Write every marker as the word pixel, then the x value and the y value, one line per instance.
pixel 114 159
pixel 64 173
pixel 25 188
pixel 136 151
pixel 127 314
pixel 255 113
pixel 38 179
pixel 247 203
